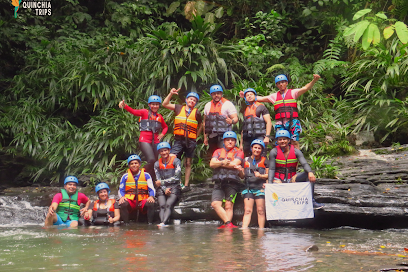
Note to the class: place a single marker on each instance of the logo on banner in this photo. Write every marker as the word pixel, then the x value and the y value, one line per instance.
pixel 295 200
pixel 41 7
pixel 275 198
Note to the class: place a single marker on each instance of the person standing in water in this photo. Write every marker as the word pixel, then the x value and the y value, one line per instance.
pixel 255 172
pixel 168 173
pixel 283 161
pixel 285 106
pixel 226 163
pixel 150 125
pixel 65 207
pixel 187 127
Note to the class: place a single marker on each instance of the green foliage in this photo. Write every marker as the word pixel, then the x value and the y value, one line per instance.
pixel 369 29
pixel 322 168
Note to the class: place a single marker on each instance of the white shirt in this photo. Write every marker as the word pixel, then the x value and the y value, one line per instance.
pixel 226 109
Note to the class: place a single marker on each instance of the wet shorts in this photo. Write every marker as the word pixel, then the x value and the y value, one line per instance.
pixel 60 222
pixel 295 129
pixel 254 194
pixel 180 145
pixel 224 192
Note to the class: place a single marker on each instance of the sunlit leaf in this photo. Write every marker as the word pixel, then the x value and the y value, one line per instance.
pixel 361 13
pixel 388 31
pixel 402 31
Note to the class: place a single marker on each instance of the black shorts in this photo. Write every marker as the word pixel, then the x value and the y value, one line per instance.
pixel 225 191
pixel 180 145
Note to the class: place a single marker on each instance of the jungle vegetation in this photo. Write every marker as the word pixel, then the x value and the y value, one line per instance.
pixel 62 76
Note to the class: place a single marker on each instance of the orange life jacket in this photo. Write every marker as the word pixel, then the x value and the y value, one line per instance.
pixel 110 204
pixel 253 126
pixel 285 108
pixel 167 170
pixel 285 168
pixel 214 121
pixel 142 188
pixel 186 125
pixel 221 174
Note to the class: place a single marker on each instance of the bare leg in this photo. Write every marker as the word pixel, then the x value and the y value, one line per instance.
pixel 260 208
pixel 73 224
pixel 249 204
pixel 50 219
pixel 229 209
pixel 222 214
pixel 187 164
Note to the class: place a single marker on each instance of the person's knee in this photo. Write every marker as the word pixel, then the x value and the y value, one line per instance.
pixel 74 224
pixel 215 204
pixel 248 211
pixel 229 205
pixel 188 163
pixel 261 211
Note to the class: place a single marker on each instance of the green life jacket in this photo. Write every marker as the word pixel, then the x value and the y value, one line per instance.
pixel 68 206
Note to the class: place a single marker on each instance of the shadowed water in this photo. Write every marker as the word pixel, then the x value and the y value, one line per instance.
pixel 197 247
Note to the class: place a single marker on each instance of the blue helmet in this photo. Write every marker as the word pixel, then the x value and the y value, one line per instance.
pixel 101 186
pixel 280 78
pixel 216 88
pixel 258 141
pixel 154 98
pixel 192 94
pixel 133 157
pixel 70 179
pixel 163 145
pixel 229 134
pixel 282 133
pixel 250 90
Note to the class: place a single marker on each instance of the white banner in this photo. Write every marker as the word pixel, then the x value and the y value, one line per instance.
pixel 287 201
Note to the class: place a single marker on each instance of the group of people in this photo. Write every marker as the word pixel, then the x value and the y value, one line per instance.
pixel 160 179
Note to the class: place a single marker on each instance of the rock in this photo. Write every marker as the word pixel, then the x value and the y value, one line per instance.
pixel 312 248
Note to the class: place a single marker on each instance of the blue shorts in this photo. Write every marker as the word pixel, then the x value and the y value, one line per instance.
pixel 60 222
pixel 253 193
pixel 295 129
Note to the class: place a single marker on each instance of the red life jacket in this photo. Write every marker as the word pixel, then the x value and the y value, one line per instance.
pixel 284 165
pixel 253 126
pixel 285 108
pixel 214 121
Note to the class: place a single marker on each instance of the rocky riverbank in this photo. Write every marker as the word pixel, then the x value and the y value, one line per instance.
pixel 370 192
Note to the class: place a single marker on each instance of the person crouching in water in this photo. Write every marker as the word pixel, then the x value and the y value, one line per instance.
pixel 255 172
pixel 226 163
pixel 103 211
pixel 136 191
pixel 65 207
pixel 168 173
pixel 283 161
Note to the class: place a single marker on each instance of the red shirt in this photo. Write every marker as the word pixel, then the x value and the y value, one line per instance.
pixel 82 199
pixel 146 136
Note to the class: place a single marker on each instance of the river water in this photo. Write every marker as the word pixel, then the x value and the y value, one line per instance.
pixel 194 246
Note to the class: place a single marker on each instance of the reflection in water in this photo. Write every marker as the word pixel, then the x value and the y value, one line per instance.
pixel 285 251
pixel 197 247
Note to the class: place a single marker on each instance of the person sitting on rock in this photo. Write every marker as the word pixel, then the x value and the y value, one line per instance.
pixel 168 173
pixel 136 191
pixel 103 211
pixel 226 163
pixel 65 207
pixel 283 161
pixel 255 171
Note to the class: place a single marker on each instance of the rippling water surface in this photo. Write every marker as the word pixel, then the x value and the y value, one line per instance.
pixel 198 247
